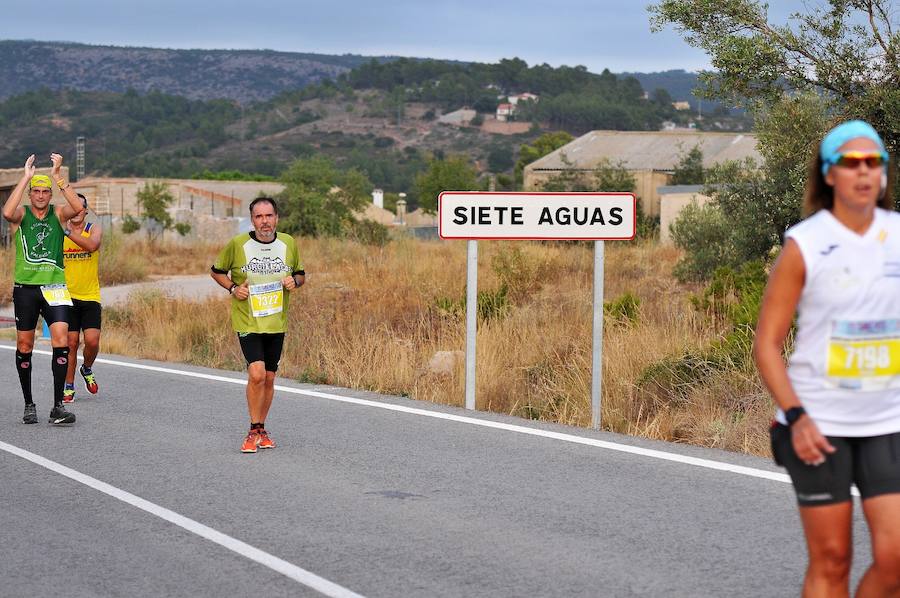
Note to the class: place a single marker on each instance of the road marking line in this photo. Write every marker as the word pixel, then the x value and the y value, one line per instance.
pixel 604 444
pixel 287 569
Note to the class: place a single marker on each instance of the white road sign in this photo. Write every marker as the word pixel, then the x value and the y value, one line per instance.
pixel 530 215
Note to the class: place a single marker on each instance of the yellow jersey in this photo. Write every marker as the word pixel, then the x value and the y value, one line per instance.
pixel 82 271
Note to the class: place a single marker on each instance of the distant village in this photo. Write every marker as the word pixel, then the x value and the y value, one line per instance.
pixel 217 208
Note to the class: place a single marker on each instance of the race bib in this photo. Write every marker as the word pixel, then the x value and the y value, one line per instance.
pixel 56 294
pixel 266 299
pixel 864 355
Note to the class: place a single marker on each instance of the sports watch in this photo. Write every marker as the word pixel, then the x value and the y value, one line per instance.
pixel 793 414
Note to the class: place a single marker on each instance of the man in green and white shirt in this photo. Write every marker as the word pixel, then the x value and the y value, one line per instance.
pixel 40 279
pixel 260 269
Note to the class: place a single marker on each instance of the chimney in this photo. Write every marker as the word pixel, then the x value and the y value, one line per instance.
pixel 378 197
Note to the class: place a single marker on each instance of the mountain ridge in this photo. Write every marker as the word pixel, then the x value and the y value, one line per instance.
pixel 240 75
pixel 244 76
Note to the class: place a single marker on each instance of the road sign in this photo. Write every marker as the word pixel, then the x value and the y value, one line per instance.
pixel 528 216
pixel 537 216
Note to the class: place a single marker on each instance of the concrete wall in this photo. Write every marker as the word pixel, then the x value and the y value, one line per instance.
pixel 214 198
pixel 671 205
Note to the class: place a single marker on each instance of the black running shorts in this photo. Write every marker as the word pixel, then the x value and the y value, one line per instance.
pixel 29 303
pixel 84 315
pixel 872 463
pixel 262 347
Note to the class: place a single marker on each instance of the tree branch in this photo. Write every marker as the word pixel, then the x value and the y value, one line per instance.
pixel 887 21
pixel 870 9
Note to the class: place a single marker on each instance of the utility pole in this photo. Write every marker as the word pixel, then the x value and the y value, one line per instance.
pixel 79 158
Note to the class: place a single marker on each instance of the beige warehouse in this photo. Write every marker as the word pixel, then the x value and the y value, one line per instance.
pixel 118 196
pixel 650 156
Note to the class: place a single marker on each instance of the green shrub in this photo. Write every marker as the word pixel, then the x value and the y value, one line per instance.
pixel 452 307
pixel 519 274
pixel 626 310
pixel 672 380
pixel 368 232
pixel 732 296
pixel 736 295
pixel 130 224
pixel 491 304
pixel 704 233
pixel 312 376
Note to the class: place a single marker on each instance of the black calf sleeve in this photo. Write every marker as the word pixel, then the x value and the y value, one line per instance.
pixel 59 366
pixel 23 366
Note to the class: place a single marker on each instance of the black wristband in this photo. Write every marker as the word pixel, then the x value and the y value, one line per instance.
pixel 793 414
pixel 231 288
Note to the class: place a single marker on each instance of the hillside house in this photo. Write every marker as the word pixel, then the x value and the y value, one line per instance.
pixel 516 98
pixel 505 112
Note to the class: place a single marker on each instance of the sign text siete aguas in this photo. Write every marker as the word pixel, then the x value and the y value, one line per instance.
pixel 533 215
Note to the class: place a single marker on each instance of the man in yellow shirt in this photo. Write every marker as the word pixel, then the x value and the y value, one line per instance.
pixel 81 253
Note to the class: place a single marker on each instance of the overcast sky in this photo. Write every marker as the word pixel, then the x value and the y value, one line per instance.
pixel 599 34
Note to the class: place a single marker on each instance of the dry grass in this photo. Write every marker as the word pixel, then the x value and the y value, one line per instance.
pixel 370 318
pixel 129 258
pixel 7 271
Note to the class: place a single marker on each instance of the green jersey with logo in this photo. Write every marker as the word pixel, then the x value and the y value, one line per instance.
pixel 39 250
pixel 262 266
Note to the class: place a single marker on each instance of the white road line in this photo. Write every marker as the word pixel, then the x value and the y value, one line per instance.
pixel 287 569
pixel 603 444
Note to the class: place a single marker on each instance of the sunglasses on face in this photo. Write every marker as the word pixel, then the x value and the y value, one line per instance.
pixel 852 160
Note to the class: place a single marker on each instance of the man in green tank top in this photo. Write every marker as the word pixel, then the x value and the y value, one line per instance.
pixel 40 278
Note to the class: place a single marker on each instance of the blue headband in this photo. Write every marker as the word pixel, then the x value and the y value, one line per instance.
pixel 841 134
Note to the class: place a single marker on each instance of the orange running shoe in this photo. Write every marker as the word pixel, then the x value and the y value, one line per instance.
pixel 264 441
pixel 250 442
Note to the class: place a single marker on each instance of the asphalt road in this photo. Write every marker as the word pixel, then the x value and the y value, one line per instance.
pixel 148 495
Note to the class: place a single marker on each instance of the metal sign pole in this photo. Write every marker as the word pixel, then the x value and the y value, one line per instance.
pixel 471 320
pixel 597 216
pixel 597 344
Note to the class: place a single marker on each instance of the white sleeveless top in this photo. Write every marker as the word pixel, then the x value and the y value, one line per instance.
pixel 845 367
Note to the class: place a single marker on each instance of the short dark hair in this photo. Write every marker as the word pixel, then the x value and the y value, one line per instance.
pixel 268 199
pixel 83 199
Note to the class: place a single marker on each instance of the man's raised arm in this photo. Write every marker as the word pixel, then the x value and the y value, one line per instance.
pixel 73 205
pixel 12 210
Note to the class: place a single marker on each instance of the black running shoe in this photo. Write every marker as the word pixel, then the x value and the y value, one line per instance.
pixel 30 416
pixel 59 416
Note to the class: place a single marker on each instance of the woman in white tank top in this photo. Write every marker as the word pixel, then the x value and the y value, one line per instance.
pixel 838 418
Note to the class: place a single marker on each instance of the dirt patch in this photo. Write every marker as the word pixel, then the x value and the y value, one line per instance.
pixel 504 128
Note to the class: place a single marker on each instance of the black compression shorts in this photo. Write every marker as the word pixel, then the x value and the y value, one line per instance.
pixel 262 347
pixel 872 463
pixel 84 315
pixel 29 303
